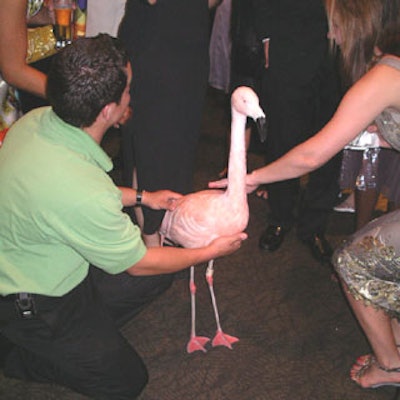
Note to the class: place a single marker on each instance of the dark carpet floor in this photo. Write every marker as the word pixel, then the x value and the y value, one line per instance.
pixel 298 337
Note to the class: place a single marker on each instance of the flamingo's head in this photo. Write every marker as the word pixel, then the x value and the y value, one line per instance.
pixel 245 101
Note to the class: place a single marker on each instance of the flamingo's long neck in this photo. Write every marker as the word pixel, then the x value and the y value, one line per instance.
pixel 237 159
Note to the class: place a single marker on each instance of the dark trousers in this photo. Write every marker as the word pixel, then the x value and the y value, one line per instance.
pixel 309 207
pixel 299 98
pixel 74 340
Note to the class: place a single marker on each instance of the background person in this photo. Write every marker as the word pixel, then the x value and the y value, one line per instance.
pixel 167 44
pixel 299 93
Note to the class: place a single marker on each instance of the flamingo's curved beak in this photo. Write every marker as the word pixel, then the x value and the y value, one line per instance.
pixel 262 127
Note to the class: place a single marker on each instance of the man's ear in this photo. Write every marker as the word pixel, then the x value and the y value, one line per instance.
pixel 107 111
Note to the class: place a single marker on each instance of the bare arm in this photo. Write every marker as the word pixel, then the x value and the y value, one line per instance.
pixel 377 90
pixel 13 45
pixel 164 260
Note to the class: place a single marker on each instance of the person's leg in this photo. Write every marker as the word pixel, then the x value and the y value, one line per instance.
pixel 322 189
pixel 126 295
pixel 317 201
pixel 377 327
pixel 396 332
pixel 365 201
pixel 73 341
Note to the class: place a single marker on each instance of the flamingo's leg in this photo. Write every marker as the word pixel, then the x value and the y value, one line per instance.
pixel 196 342
pixel 220 338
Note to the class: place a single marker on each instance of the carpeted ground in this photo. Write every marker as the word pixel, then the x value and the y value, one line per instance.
pixel 298 337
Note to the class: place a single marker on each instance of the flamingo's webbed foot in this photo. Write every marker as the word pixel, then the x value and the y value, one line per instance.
pixel 197 343
pixel 223 339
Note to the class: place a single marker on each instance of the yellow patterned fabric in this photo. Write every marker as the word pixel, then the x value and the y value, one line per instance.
pixel 41 43
pixel 369 264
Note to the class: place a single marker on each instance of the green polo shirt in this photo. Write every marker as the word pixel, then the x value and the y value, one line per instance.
pixel 59 209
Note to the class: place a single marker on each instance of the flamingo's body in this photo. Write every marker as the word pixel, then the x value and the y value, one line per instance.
pixel 203 216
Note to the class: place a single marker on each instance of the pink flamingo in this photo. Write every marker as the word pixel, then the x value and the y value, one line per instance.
pixel 202 216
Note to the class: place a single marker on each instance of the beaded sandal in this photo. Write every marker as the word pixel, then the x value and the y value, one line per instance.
pixel 367 358
pixel 366 365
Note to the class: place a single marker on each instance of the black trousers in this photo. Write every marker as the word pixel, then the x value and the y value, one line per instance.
pixel 74 340
pixel 299 98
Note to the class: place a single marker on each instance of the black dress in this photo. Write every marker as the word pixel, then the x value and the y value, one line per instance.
pixel 168 49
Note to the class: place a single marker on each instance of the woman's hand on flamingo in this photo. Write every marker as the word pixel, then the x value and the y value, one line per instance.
pixel 223 183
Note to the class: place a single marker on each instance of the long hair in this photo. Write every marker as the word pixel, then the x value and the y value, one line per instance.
pixel 360 23
pixel 389 37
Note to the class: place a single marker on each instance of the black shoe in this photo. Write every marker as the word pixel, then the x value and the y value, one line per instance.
pixel 320 248
pixel 272 238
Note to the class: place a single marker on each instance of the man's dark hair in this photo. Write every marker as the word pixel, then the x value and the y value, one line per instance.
pixel 85 76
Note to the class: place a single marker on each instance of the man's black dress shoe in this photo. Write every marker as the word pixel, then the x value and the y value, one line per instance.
pixel 272 238
pixel 320 248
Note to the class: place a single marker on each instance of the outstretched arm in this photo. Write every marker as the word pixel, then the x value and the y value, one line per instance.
pixel 377 90
pixel 13 47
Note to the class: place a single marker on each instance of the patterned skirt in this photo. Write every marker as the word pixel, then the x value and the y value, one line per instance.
pixel 369 264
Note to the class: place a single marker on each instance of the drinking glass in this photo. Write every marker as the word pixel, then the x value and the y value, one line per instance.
pixel 63 15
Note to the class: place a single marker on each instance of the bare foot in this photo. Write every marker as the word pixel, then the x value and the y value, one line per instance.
pixel 366 373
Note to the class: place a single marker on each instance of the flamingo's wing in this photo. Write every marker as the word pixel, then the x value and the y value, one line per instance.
pixel 193 223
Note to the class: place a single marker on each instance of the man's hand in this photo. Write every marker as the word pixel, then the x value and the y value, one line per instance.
pixel 124 118
pixel 161 200
pixel 225 245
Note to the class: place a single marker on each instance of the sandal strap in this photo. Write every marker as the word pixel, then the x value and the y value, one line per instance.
pixel 381 367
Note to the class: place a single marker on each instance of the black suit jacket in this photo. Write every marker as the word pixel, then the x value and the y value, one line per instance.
pixel 297 30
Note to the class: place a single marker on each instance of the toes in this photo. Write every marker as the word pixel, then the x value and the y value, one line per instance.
pixel 365 359
pixel 361 366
